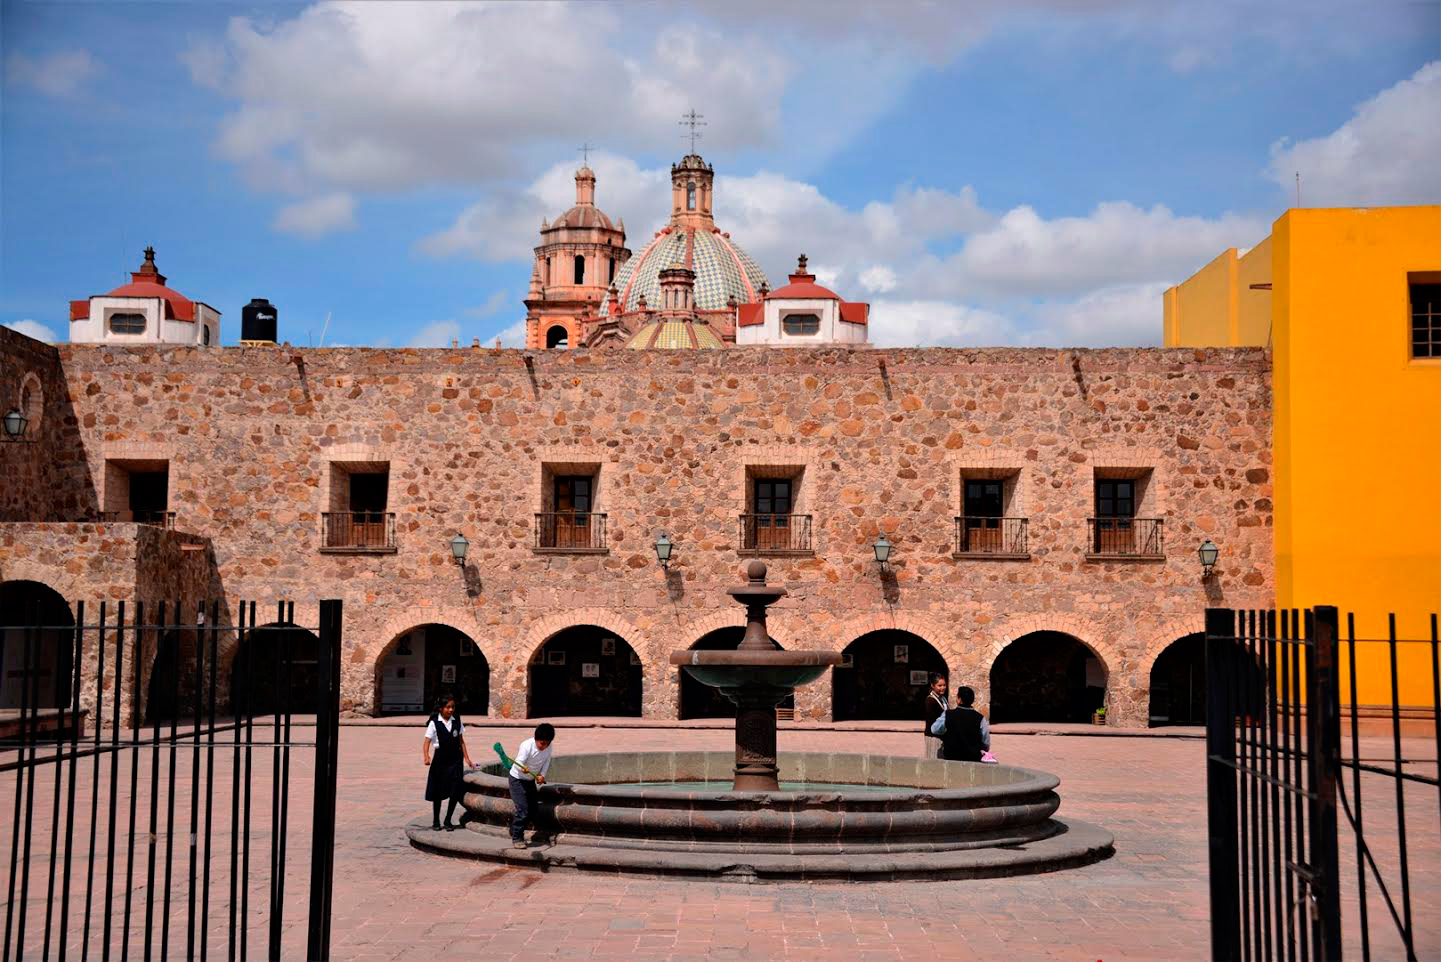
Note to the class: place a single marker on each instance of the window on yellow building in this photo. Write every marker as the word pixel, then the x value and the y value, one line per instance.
pixel 1425 292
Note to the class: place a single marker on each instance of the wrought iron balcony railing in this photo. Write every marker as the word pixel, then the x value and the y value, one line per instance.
pixel 992 537
pixel 1125 537
pixel 359 531
pixel 563 531
pixel 776 533
pixel 160 519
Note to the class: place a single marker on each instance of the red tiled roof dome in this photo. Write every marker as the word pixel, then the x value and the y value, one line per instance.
pixel 146 282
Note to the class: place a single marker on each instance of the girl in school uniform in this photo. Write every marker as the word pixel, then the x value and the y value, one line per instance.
pixel 444 734
pixel 935 707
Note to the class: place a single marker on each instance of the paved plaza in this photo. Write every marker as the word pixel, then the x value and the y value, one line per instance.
pixel 393 902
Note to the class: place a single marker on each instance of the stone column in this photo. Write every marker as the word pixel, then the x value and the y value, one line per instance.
pixel 756 769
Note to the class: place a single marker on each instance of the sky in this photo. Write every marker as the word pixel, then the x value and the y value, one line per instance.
pixel 983 173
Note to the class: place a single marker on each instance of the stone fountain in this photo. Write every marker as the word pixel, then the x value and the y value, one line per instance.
pixel 757 677
pixel 803 815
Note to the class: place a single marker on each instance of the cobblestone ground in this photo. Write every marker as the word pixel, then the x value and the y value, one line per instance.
pixel 393 902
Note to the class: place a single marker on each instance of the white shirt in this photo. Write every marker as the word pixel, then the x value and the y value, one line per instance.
pixel 535 759
pixel 452 725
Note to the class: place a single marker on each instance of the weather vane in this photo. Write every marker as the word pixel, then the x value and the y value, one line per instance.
pixel 692 120
pixel 585 150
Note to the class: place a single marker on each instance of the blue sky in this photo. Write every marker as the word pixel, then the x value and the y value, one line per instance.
pixel 1018 173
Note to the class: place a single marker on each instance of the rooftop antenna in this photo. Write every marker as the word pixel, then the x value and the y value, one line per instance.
pixel 325 328
pixel 693 120
pixel 585 150
pixel 1298 188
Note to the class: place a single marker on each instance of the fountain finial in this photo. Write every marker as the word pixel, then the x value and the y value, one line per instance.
pixel 756 572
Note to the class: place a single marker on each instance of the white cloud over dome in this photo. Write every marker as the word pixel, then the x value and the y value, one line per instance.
pixel 317 216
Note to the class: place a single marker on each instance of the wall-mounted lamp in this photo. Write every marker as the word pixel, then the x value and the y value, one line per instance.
pixel 882 548
pixel 663 548
pixel 458 547
pixel 15 424
pixel 1209 553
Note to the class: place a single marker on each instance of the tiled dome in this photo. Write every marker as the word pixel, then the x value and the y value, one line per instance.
pixel 683 334
pixel 722 270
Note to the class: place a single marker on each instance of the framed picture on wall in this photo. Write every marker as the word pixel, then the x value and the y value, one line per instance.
pixel 555 657
pixel 467 648
pixel 590 669
pixel 447 674
pixel 607 646
pixel 918 677
pixel 903 654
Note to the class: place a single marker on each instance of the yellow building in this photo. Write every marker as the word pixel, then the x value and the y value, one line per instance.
pixel 1349 300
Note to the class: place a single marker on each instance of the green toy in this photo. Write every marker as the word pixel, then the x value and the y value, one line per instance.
pixel 506 761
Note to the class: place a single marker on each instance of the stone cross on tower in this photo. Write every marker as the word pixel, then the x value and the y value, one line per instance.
pixel 692 120
pixel 585 150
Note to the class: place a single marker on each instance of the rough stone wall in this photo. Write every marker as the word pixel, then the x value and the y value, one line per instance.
pixel 882 438
pixel 43 476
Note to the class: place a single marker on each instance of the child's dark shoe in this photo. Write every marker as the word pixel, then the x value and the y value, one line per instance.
pixel 450 826
pixel 519 843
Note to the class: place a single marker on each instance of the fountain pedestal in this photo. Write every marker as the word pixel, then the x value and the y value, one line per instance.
pixel 756 677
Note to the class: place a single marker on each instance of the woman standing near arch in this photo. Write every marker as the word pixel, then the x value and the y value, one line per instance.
pixel 935 708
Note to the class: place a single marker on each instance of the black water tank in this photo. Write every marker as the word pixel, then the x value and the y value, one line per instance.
pixel 258 320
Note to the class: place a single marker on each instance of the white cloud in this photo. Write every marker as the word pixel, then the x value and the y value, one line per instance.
pixel 317 216
pixel 936 323
pixel 60 74
pixel 513 336
pixel 1027 255
pixel 878 279
pixel 33 329
pixel 436 334
pixel 497 301
pixel 1128 315
pixel 1389 152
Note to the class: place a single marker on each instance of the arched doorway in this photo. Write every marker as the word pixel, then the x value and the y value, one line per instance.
pixel 1047 676
pixel 1178 683
pixel 277 668
pixel 585 670
pixel 557 337
pixel 23 606
pixel 884 677
pixel 699 700
pixel 171 692
pixel 427 661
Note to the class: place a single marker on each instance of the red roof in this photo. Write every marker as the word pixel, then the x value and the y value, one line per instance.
pixel 149 283
pixel 855 312
pixel 803 285
pixel 749 315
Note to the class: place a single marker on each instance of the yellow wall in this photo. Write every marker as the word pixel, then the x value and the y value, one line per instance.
pixel 1357 442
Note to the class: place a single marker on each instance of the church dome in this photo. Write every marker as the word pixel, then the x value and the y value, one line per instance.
pixel 722 269
pixel 583 215
pixel 674 333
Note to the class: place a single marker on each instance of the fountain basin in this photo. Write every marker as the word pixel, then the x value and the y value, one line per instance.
pixel 731 670
pixel 903 818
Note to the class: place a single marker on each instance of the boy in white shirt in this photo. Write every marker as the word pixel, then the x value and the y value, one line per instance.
pixel 532 762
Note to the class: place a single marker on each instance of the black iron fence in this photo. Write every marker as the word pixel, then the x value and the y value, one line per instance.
pixel 1277 766
pixel 1126 537
pixel 570 531
pixel 775 533
pixel 166 830
pixel 992 536
pixel 358 530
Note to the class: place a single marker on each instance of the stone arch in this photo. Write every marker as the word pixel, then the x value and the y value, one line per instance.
pixel 557 337
pixel 939 635
pixel 276 666
pixel 1047 679
pixel 1088 632
pixel 878 686
pixel 698 700
pixel 585 669
pixel 49 679
pixel 1166 635
pixel 442 651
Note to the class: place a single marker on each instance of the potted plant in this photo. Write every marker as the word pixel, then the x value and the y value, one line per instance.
pixel 1099 718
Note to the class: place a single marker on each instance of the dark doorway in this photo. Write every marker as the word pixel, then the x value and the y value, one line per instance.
pixel 1047 676
pixel 277 669
pixel 699 700
pixel 426 662
pixel 170 689
pixel 585 670
pixel 1178 683
pixel 884 677
pixel 28 604
pixel 557 337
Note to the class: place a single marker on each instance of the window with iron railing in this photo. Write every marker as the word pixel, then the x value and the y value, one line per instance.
pixel 992 537
pixel 1125 538
pixel 776 533
pixel 358 531
pixel 573 531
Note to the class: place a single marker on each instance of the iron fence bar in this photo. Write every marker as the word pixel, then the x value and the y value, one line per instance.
pixel 95 778
pixel 1278 907
pixel 1357 824
pixel 1250 945
pixel 139 617
pixel 1256 674
pixel 235 842
pixel 1221 792
pixel 249 709
pixel 211 629
pixel 54 823
pixel 1436 698
pixel 1326 740
pixel 114 771
pixel 1364 851
pixel 170 791
pixel 195 783
pixel 76 669
pixel 1305 656
pixel 322 858
pixel 150 842
pixel 1287 695
pixel 19 799
pixel 1407 933
pixel 32 680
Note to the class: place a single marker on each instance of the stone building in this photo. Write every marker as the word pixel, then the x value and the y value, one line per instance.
pixel 1045 508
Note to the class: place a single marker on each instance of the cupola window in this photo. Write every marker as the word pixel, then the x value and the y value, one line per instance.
pixel 579 269
pixel 801 325
pixel 127 323
pixel 690 197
